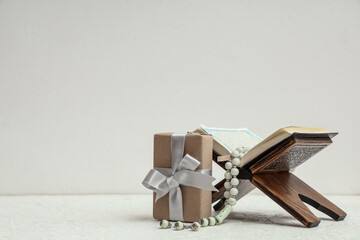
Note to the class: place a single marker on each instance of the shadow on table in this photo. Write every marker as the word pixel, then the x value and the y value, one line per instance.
pixel 277 219
pixel 137 218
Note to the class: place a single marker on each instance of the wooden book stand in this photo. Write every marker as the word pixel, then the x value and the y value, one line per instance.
pixel 270 172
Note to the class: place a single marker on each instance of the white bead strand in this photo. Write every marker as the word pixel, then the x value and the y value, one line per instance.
pixel 231 183
pixel 233 191
pixel 228 165
pixel 235 154
pixel 227 185
pixel 234 182
pixel 234 171
pixel 227 194
pixel 228 175
pixel 236 161
pixel 231 201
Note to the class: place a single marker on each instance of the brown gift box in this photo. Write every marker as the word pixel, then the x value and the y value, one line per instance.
pixel 196 202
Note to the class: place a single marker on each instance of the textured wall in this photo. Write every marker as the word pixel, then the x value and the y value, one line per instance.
pixel 85 84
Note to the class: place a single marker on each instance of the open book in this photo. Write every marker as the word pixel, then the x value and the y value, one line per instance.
pixel 227 140
pixel 267 166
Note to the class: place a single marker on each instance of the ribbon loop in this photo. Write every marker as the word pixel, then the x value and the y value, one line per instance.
pixel 183 172
pixel 188 162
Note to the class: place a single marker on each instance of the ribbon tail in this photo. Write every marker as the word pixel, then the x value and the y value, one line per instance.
pixel 159 194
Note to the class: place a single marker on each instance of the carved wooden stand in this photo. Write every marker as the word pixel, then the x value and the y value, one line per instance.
pixel 269 172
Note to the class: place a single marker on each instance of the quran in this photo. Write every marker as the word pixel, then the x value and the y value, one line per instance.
pixel 226 140
pixel 267 166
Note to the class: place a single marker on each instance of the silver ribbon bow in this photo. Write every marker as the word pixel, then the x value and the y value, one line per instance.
pixel 182 172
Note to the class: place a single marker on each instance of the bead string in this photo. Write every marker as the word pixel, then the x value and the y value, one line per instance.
pixel 230 193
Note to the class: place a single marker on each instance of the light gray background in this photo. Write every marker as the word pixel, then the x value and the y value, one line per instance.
pixel 84 85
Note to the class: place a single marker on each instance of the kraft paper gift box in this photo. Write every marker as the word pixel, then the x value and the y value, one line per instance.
pixel 196 202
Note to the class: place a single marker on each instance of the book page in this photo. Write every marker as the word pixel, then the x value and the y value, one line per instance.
pixel 233 138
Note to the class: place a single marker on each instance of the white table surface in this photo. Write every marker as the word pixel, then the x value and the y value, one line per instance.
pixel 130 217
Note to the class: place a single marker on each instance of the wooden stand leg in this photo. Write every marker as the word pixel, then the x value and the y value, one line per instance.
pixel 290 193
pixel 318 201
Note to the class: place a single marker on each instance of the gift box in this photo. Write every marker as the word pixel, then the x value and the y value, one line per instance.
pixel 181 178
